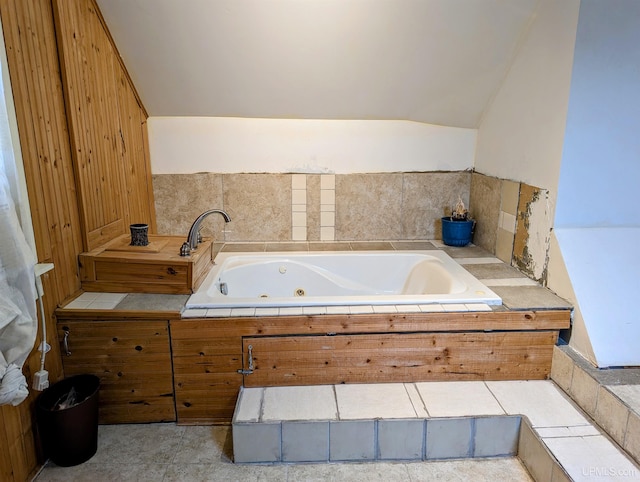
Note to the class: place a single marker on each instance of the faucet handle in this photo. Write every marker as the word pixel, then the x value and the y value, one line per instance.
pixel 199 236
pixel 185 249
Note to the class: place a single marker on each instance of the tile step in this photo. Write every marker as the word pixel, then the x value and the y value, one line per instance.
pixel 424 421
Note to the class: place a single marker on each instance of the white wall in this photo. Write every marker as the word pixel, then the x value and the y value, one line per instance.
pixel 521 134
pixel 601 161
pixel 234 145
pixel 597 219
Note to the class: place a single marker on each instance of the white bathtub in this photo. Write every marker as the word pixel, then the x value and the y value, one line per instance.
pixel 338 278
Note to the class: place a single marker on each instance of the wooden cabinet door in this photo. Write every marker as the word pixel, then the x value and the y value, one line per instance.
pixel 206 365
pixel 133 361
pixel 410 357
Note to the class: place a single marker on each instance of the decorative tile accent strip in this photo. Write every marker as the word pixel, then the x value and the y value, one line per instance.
pixel 327 207
pixel 299 207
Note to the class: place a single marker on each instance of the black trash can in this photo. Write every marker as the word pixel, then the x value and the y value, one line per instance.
pixel 67 415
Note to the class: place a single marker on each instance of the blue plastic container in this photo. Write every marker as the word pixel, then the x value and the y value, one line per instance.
pixel 457 233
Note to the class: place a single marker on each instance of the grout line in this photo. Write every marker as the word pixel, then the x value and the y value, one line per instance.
pixel 424 404
pixel 410 400
pixel 376 445
pixel 509 282
pixel 424 439
pixel 495 397
pixel 261 412
pixel 280 459
pixel 472 438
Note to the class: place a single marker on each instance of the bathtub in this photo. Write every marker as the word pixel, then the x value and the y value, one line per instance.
pixel 338 278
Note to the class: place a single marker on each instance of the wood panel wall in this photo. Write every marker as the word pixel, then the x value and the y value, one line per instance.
pixel 36 79
pixel 106 125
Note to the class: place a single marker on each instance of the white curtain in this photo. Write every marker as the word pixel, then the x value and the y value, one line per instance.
pixel 18 320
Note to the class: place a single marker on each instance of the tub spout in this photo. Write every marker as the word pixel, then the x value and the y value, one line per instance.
pixel 193 237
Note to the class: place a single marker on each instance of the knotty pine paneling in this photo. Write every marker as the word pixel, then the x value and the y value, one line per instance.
pixel 37 88
pixel 92 101
pixel 29 36
pixel 134 154
pixel 107 126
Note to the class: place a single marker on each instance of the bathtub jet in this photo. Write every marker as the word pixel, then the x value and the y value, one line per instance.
pixel 333 279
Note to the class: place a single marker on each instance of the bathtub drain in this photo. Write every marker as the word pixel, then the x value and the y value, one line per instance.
pixel 299 292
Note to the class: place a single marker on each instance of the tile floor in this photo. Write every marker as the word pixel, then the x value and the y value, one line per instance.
pixel 167 452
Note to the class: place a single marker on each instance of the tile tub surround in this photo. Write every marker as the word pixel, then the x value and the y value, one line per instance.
pixel 347 207
pixel 533 419
pixel 340 207
pixel 611 397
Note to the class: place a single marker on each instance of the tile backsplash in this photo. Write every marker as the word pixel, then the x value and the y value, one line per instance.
pixel 310 207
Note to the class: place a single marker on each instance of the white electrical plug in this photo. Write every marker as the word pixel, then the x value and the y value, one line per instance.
pixel 41 380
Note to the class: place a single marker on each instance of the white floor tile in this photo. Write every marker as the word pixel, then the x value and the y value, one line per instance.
pixel 458 399
pixel 250 405
pixel 299 403
pixel 370 401
pixel 540 400
pixel 592 458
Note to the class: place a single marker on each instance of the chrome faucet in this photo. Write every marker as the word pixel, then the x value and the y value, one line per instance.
pixel 193 238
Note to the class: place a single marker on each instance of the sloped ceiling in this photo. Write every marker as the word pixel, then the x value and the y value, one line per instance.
pixel 432 61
